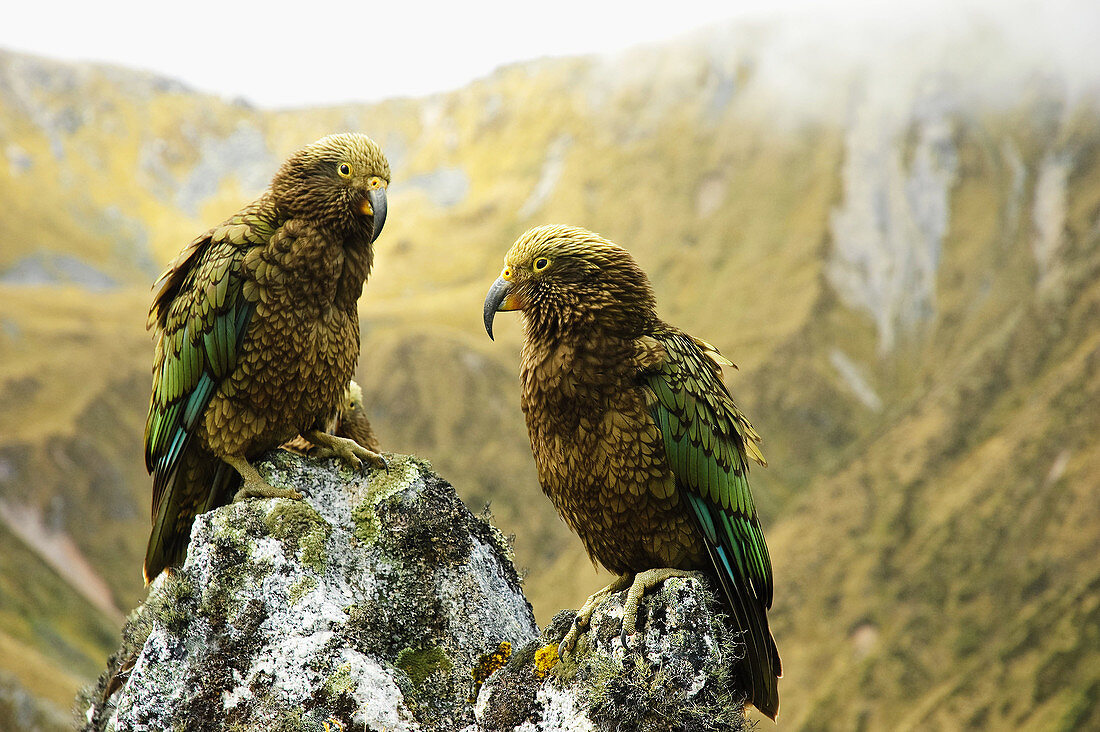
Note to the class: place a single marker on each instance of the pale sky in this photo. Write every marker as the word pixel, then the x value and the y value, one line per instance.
pixel 279 53
pixel 304 52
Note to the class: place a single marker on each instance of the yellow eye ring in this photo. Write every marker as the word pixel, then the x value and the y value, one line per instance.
pixel 344 170
pixel 507 273
pixel 540 264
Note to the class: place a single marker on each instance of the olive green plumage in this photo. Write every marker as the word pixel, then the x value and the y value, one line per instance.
pixel 257 332
pixel 635 437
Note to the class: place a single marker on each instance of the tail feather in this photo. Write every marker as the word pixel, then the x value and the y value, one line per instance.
pixel 761 668
pixel 197 483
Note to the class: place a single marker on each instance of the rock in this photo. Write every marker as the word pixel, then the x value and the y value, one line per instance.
pixel 675 673
pixel 364 606
pixel 887 234
pixel 379 602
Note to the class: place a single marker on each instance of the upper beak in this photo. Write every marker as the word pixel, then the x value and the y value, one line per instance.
pixel 375 207
pixel 499 299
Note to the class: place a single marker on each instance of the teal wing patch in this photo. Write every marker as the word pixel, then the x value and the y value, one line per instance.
pixel 202 314
pixel 708 443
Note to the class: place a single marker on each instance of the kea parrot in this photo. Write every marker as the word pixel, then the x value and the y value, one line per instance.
pixel 349 421
pixel 636 440
pixel 257 336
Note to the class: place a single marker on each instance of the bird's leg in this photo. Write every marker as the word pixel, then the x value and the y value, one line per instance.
pixel 643 582
pixel 350 451
pixel 254 485
pixel 584 615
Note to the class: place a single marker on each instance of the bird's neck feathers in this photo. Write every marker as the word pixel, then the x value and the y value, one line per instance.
pixel 347 239
pixel 580 325
pixel 358 259
pixel 611 307
pixel 598 339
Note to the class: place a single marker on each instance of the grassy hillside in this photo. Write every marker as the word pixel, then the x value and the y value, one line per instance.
pixel 907 282
pixel 952 555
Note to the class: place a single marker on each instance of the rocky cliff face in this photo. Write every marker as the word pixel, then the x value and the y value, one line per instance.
pixel 365 605
pixel 673 674
pixel 380 602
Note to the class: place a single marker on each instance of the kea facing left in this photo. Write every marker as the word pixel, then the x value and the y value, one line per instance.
pixel 636 439
pixel 257 336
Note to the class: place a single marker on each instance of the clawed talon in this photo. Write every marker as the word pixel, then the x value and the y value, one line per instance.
pixel 627 631
pixel 569 642
pixel 638 585
pixel 350 451
pixel 254 485
pixel 261 489
pixel 643 582
pixel 584 615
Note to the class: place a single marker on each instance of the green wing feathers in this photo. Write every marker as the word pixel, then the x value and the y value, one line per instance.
pixel 708 443
pixel 196 483
pixel 201 315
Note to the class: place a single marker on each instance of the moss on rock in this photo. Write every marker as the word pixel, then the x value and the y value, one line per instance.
pixel 421 663
pixel 675 673
pixel 284 617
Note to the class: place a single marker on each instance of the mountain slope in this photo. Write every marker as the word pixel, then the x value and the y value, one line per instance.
pixel 902 258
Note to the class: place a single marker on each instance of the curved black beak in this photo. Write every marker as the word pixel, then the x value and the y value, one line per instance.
pixel 493 300
pixel 376 197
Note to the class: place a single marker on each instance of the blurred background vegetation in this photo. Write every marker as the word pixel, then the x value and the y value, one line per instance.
pixel 901 254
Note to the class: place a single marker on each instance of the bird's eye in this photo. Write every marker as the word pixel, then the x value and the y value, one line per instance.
pixel 541 263
pixel 344 170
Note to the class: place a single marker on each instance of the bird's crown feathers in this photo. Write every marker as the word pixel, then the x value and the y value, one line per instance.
pixel 331 150
pixel 555 240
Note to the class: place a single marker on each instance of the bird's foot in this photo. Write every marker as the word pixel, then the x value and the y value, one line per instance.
pixel 350 451
pixel 584 615
pixel 263 489
pixel 643 582
pixel 254 484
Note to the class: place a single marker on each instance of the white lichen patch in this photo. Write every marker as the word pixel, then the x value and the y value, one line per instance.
pixel 675 672
pixel 482 578
pixel 254 631
pixel 561 712
pixel 381 703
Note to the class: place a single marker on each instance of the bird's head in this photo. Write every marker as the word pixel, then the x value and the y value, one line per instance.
pixel 340 181
pixel 562 277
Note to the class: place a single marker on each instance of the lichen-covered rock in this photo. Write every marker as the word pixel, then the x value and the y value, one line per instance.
pixel 364 606
pixel 675 673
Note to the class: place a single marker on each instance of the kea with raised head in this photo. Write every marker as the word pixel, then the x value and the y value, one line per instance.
pixel 636 438
pixel 257 336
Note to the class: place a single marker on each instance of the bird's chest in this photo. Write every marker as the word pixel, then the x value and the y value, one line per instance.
pixel 302 347
pixel 302 344
pixel 598 453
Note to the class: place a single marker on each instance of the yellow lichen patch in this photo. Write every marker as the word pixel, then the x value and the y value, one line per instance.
pixel 545 659
pixel 487 665
pixel 381 485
